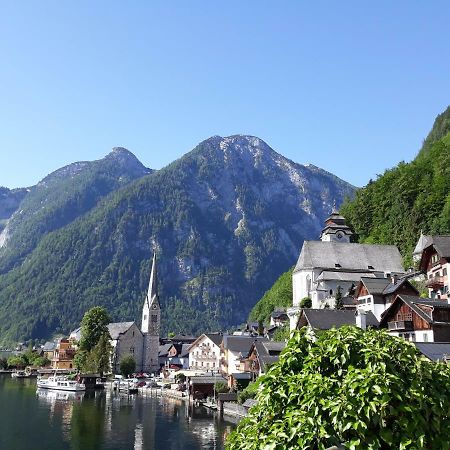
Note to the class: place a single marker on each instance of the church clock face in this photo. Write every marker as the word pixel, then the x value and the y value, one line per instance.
pixel 154 306
pixel 339 235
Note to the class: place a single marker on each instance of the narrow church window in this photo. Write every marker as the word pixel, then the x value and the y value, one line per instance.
pixel 154 318
pixel 132 350
pixel 145 316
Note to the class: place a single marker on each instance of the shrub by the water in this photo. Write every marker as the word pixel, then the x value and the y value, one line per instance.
pixel 359 389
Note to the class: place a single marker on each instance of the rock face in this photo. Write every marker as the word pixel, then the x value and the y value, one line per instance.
pixel 226 220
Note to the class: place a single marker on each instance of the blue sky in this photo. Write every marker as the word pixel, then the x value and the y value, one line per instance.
pixel 352 87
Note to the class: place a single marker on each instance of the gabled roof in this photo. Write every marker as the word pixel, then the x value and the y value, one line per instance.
pixel 117 328
pixel 240 344
pixel 375 286
pixel 350 257
pixel 414 303
pixel 184 351
pixel 164 350
pixel 325 319
pixel 436 351
pixel 49 346
pixel 393 287
pixel 207 379
pixel 423 242
pixel 216 338
pixel 440 243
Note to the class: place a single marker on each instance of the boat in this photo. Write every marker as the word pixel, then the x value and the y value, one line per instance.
pixel 60 383
pixel 128 386
pixel 19 374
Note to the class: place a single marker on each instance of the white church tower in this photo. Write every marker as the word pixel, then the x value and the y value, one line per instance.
pixel 151 321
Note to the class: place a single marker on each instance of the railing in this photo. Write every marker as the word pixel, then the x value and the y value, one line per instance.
pixel 400 325
pixel 205 356
pixel 435 282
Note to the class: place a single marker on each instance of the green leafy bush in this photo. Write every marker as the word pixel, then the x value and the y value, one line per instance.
pixel 221 387
pixel 359 389
pixel 249 392
pixel 305 302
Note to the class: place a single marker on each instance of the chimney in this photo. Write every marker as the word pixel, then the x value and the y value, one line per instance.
pixel 361 319
pixel 394 278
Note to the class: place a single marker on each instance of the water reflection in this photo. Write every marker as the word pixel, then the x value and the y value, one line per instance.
pixel 103 420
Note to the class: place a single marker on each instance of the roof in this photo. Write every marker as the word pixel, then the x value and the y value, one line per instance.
pixel 414 303
pixel 375 286
pixel 442 245
pixel 240 344
pixel 184 350
pixel 392 287
pixel 215 337
pixel 325 319
pixel 354 257
pixel 250 402
pixel 164 349
pixel 436 351
pixel 49 346
pixel 117 328
pixel 207 379
pixel 343 276
pixel 423 242
pixel 242 376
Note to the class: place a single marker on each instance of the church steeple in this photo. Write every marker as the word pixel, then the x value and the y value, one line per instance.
pixel 151 312
pixel 336 229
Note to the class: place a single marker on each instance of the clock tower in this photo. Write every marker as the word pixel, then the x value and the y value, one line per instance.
pixel 336 229
pixel 151 322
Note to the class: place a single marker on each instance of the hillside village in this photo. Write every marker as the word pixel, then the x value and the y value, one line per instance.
pixel 336 282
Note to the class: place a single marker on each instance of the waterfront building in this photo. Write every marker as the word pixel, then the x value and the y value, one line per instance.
pixel 141 343
pixel 63 355
pixel 262 354
pixel 204 352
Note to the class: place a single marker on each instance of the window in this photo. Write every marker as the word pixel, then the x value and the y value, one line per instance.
pixel 434 258
pixel 154 318
pixel 131 350
pixel 145 317
pixel 444 272
pixel 425 337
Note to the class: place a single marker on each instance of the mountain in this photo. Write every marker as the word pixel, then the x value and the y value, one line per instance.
pixel 225 220
pixel 62 197
pixel 410 198
pixel 9 202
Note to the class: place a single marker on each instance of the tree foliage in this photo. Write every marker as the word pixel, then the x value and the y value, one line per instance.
pixel 306 302
pixel 359 389
pixel 93 326
pixel 282 334
pixel 127 365
pixel 279 295
pixel 407 199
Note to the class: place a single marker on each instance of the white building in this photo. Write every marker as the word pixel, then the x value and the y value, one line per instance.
pixel 335 264
pixel 204 352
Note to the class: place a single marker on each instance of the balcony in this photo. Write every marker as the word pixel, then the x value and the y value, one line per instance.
pixel 400 325
pixel 435 283
pixel 206 356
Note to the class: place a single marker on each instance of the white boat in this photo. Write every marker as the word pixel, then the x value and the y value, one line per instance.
pixel 60 383
pixel 19 374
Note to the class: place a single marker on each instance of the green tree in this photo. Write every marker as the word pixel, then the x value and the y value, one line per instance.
pixel 17 361
pixel 221 387
pixel 249 392
pixel 339 304
pixel 127 365
pixel 282 333
pixel 360 389
pixel 93 326
pixel 305 302
pixel 100 355
pixel 80 359
pixel 3 363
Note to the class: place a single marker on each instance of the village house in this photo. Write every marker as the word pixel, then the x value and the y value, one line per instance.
pixel 335 265
pixel 204 352
pixel 377 294
pixel 233 350
pixel 177 356
pixel 279 317
pixel 418 319
pixel 63 355
pixel 261 356
pixel 435 263
pixel 435 351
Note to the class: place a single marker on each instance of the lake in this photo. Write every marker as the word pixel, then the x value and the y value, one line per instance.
pixel 102 420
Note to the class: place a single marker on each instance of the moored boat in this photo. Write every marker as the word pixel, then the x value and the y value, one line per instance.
pixel 60 383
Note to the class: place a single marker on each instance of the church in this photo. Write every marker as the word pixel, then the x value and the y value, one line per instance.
pixel 141 343
pixel 335 264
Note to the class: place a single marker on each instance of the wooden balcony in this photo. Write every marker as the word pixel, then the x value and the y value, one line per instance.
pixel 400 325
pixel 435 283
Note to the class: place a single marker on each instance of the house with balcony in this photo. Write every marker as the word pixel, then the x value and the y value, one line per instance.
pixel 204 352
pixel 418 319
pixel 435 263
pixel 377 294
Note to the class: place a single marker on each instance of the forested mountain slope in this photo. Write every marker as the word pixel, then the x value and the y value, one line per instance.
pixel 225 220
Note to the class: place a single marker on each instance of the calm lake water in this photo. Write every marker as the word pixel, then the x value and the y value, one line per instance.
pixel 52 420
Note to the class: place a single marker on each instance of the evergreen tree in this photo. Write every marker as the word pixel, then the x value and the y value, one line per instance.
pixel 127 365
pixel 339 304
